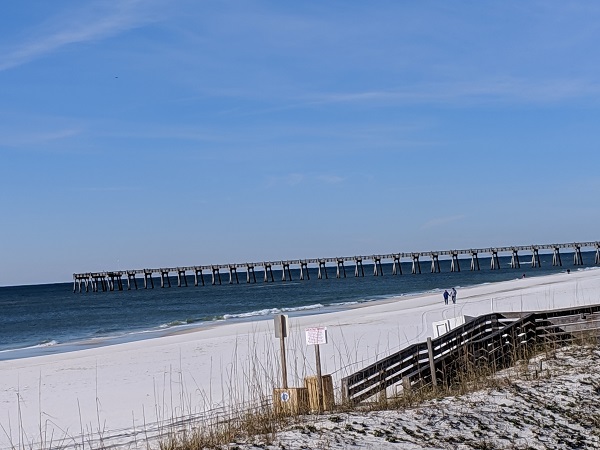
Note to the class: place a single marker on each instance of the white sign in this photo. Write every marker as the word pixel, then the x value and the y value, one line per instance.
pixel 316 335
pixel 285 397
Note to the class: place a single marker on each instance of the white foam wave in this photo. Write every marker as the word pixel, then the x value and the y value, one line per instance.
pixel 48 343
pixel 271 311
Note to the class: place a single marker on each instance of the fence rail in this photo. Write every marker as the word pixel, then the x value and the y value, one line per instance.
pixel 494 341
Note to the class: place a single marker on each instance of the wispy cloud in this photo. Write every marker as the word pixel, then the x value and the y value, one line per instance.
pixel 36 138
pixel 295 179
pixel 477 91
pixel 441 221
pixel 330 179
pixel 96 21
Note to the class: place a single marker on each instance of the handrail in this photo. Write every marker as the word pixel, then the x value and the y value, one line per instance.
pixel 492 339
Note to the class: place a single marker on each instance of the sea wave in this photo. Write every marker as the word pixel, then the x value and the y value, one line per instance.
pixel 43 344
pixel 272 311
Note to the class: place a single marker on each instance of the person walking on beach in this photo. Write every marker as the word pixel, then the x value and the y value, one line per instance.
pixel 446 297
pixel 453 295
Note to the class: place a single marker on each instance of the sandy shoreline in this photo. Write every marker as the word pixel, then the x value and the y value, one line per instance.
pixel 127 385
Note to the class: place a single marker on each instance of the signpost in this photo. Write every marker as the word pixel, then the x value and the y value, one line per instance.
pixel 317 336
pixel 281 332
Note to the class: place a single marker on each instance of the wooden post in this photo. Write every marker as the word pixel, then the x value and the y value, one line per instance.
pixel 431 363
pixel 281 330
pixel 283 362
pixel 319 378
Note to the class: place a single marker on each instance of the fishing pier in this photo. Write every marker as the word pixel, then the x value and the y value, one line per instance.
pixel 114 280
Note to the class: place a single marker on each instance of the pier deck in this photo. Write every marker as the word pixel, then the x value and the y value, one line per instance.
pixel 111 280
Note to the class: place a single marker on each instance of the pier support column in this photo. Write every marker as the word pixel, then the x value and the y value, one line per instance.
pixel 377 267
pixel 87 282
pixel 495 261
pixel 94 284
pixel 435 263
pixel 474 260
pixel 216 275
pixel 455 264
pixel 577 258
pixel 130 278
pixel 359 270
pixel 514 261
pixel 198 271
pixel 535 258
pixel 596 259
pixel 285 271
pixel 148 278
pixel 250 274
pixel 104 283
pixel 304 269
pixel 268 271
pixel 556 261
pixel 341 269
pixel 396 266
pixel 416 265
pixel 111 282
pixel 181 278
pixel 165 281
pixel 233 273
pixel 322 270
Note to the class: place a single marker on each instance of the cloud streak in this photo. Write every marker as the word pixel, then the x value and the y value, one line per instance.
pixel 441 221
pixel 491 90
pixel 76 28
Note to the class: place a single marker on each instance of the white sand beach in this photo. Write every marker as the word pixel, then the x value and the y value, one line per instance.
pixel 109 390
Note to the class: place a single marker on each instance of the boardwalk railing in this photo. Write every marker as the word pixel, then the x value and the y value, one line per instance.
pixel 494 341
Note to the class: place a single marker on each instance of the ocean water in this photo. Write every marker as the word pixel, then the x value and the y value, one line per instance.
pixel 42 319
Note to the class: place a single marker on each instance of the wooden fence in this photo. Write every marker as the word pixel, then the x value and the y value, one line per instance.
pixel 492 342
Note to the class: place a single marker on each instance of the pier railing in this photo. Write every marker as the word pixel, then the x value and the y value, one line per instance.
pixel 494 341
pixel 113 280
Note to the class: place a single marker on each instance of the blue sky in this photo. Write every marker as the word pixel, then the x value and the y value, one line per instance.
pixel 157 133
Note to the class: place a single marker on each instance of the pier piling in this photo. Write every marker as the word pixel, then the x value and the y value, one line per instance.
pixel 216 275
pixel 303 270
pixel 556 261
pixel 577 258
pixel 250 274
pixel 268 271
pixel 396 266
pixel 322 270
pixel 181 278
pixel 359 270
pixel 474 260
pixel 455 264
pixel 377 267
pixel 233 273
pixel 130 278
pixel 514 260
pixel 416 265
pixel 286 273
pixel 198 271
pixel 535 258
pixel 165 281
pixel 148 281
pixel 495 261
pixel 340 268
pixel 435 263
